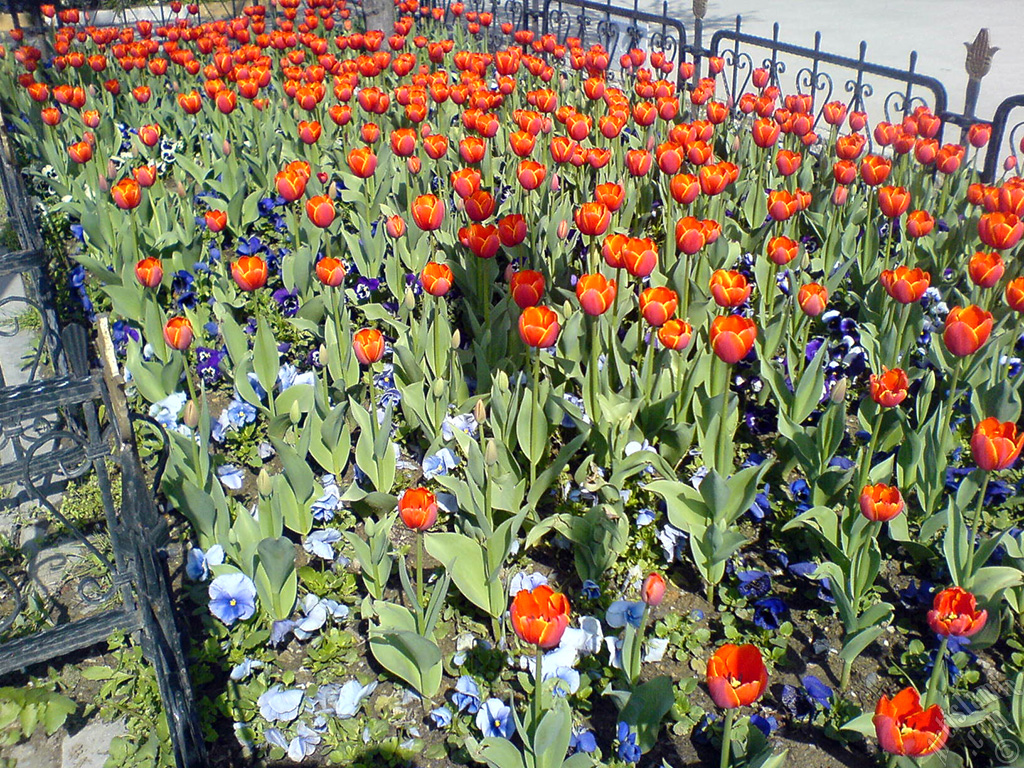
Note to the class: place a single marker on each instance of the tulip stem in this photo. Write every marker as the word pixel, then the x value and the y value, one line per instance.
pixel 533 412
pixel 730 716
pixel 844 679
pixel 975 524
pixel 420 608
pixel 935 682
pixel 869 452
pixel 538 690
pixel 372 409
pixel 951 400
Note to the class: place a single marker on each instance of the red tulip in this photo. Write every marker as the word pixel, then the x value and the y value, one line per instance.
pixel 919 223
pixel 967 329
pixel 368 345
pixel 418 509
pixel 1015 294
pixel 149 272
pixel 436 279
pixel 249 272
pixel 729 288
pixel 880 502
pixel 675 335
pixel 874 170
pixel 428 212
pixel 986 268
pixel 995 445
pixel 812 298
pixel 596 293
pixel 658 304
pixel 904 284
pixel 362 162
pixel 593 219
pixel 178 333
pixel 904 727
pixel 653 589
pixel 736 676
pixel 893 201
pixel 639 256
pixel 320 210
pixel 127 194
pixel 1000 230
pixel 732 337
pixel 539 327
pixel 890 388
pixel 540 616
pixel 216 220
pixel 330 271
pixel 955 613
pixel 527 288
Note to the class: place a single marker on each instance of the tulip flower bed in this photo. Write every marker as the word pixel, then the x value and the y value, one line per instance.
pixel 534 409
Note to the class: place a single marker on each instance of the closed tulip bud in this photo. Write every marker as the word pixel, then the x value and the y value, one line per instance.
pixel 955 613
pixel 840 195
pixel 410 298
pixel 264 483
pixel 563 229
pixel 967 329
pixel 368 345
pixel 395 226
pixel 456 339
pixel 178 333
pixel 653 590
pixel 438 388
pixel 295 413
pixel 995 445
pixel 838 393
pixel 812 298
pixel 190 416
pixel 491 453
pixel 480 412
pixel 249 273
pixel 149 272
pixel 732 337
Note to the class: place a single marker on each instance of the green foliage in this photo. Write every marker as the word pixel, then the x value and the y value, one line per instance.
pixel 37 705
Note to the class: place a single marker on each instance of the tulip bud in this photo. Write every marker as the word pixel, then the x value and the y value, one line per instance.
pixel 410 298
pixel 1009 163
pixel 226 147
pixel 480 412
pixel 456 339
pixel 566 308
pixel 653 590
pixel 491 453
pixel 190 416
pixel 111 169
pixel 838 394
pixel 563 229
pixel 438 387
pixel 104 184
pixel 295 414
pixel 322 353
pixel 332 191
pixel 264 483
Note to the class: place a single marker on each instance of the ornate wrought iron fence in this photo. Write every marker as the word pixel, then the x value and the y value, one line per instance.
pixel 51 433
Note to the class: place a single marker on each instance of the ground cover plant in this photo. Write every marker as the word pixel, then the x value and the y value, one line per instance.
pixel 533 409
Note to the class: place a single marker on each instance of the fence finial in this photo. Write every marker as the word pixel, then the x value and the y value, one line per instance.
pixel 979 56
pixel 700 7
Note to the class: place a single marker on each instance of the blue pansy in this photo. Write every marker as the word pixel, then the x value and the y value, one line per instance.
pixel 582 741
pixel 769 613
pixel 320 543
pixel 230 476
pixel 591 590
pixel 495 719
pixel 753 583
pixel 463 422
pixel 525 581
pixel 817 690
pixel 280 705
pixel 629 750
pixel 466 697
pixel 645 517
pixel 240 413
pixel 623 612
pixel 232 597
pixel 767 725
pixel 245 669
pixel 280 630
pixel 167 411
pixel 198 564
pixel 441 717
pixel 440 463
pixel 351 697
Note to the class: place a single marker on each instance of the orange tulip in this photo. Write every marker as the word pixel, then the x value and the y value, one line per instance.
pixel 893 201
pixel 216 220
pixel 428 212
pixel 418 509
pixel 436 279
pixel 611 195
pixel 249 272
pixel 874 170
pixel 593 219
pixel 782 204
pixel 919 223
pixel 362 162
pixel 540 616
pixel 904 727
pixel 690 235
pixel 80 152
pixel 967 329
pixel 782 250
pixel 466 181
pixel 290 184
pixel 330 271
pixel 639 256
pixel 1015 294
pixel 658 304
pixel 675 335
pixel 880 502
pixel 596 293
pixel 127 194
pixel 904 284
pixel 480 205
pixel 1000 230
pixel 736 676
pixel 729 288
pixel 812 298
pixel 653 589
pixel 996 445
pixel 955 613
pixel 539 327
pixel 527 288
pixel 512 229
pixel 611 250
pixel 732 337
pixel 403 141
pixel 320 210
pixel 368 345
pixel 531 174
pixel 178 333
pixel 890 388
pixel 986 268
pixel 149 272
pixel 787 162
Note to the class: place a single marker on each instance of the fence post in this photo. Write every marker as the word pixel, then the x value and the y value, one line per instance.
pixel 700 8
pixel 979 60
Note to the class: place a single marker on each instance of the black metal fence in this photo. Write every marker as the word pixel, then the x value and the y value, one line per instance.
pixel 63 418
